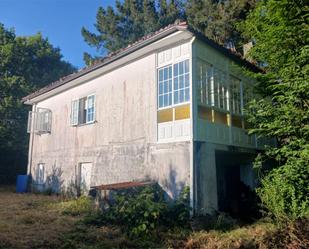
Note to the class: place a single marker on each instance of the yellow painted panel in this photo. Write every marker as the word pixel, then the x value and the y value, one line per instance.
pixel 182 112
pixel 205 113
pixel 221 117
pixel 165 115
pixel 237 121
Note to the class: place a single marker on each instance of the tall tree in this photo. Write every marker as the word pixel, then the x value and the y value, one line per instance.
pixel 217 18
pixel 130 20
pixel 279 29
pixel 26 63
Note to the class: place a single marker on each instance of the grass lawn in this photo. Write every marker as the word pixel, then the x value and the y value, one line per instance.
pixel 34 221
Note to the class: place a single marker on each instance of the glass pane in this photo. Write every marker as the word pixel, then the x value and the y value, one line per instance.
pixel 170 86
pixel 165 86
pixel 175 69
pixel 181 96
pixel 175 97
pixel 181 67
pixel 160 101
pixel 176 83
pixel 181 83
pixel 170 98
pixel 165 100
pixel 170 72
pixel 187 94
pixel 187 80
pixel 160 75
pixel 186 66
pixel 165 73
pixel 160 88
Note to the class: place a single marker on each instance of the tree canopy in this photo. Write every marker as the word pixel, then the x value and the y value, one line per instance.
pixel 130 20
pixel 26 64
pixel 217 19
pixel 279 30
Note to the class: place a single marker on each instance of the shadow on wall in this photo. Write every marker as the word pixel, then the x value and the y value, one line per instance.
pixel 170 184
pixel 53 182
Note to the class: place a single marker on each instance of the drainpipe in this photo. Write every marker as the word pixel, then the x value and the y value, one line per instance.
pixel 31 140
pixel 192 123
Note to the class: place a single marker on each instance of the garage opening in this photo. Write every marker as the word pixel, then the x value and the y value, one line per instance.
pixel 236 181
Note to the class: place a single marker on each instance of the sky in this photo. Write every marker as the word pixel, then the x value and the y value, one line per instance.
pixel 58 20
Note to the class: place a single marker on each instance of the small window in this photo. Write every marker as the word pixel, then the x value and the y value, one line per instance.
pixel 165 87
pixel 40 173
pixel 90 109
pixel 220 90
pixel 174 84
pixel 235 96
pixel 40 121
pixel 204 74
pixel 83 110
pixel 181 82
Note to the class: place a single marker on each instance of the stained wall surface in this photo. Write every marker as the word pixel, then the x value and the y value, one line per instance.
pixel 122 142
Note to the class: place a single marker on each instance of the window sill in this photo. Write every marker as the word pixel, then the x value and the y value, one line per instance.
pixel 85 124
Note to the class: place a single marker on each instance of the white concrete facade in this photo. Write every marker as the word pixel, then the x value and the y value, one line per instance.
pixel 126 141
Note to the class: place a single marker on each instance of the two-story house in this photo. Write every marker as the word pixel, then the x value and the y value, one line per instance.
pixel 168 108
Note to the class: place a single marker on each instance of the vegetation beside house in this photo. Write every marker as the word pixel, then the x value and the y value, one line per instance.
pixel 47 221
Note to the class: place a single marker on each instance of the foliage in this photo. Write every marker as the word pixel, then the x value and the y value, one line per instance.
pixel 130 20
pixel 279 30
pixel 143 210
pixel 78 206
pixel 217 19
pixel 26 63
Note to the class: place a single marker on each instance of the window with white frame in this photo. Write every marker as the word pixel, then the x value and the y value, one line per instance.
pixel 204 76
pixel 181 82
pixel 39 121
pixel 174 84
pixel 220 90
pixel 235 95
pixel 83 110
pixel 40 173
pixel 165 94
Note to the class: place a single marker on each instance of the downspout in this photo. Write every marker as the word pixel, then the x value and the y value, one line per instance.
pixel 31 140
pixel 192 123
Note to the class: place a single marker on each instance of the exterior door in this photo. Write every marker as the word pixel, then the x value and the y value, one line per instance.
pixel 85 177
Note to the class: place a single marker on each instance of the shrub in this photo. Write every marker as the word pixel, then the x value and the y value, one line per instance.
pixel 78 206
pixel 285 192
pixel 142 211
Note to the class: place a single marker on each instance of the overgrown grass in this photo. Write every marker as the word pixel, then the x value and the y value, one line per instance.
pixel 40 221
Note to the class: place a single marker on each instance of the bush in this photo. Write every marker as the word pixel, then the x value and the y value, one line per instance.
pixel 142 211
pixel 79 206
pixel 285 192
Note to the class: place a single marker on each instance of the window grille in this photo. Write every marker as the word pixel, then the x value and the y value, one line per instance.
pixel 39 121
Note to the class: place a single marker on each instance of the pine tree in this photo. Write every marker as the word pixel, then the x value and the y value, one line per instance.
pixel 217 19
pixel 130 20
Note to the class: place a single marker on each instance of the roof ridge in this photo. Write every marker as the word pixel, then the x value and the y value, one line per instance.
pixel 178 24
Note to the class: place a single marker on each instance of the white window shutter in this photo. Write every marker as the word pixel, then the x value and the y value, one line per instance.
pixel 74 112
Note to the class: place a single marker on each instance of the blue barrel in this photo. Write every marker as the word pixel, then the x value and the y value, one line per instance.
pixel 21 185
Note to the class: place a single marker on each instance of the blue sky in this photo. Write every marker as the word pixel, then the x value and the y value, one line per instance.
pixel 58 20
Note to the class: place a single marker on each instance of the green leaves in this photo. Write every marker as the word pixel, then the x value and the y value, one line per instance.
pixel 218 19
pixel 26 64
pixel 280 32
pixel 142 210
pixel 129 21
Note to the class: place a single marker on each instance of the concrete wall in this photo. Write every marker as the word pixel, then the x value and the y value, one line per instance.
pixel 122 143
